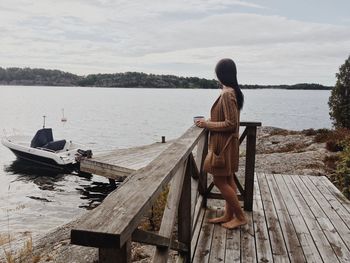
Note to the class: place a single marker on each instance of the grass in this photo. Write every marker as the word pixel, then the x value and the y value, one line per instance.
pixel 154 219
pixel 25 254
pixel 337 141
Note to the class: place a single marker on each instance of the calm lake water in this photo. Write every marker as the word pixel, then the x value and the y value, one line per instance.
pixel 106 118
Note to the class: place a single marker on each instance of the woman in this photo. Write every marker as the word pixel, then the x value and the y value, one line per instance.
pixel 223 126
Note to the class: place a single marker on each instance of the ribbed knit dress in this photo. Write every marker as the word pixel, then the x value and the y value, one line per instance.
pixel 224 120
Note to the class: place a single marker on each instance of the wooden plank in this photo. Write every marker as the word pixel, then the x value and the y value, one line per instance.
pixel 114 255
pixel 220 197
pixel 202 143
pixel 278 247
pixel 205 238
pixel 196 212
pixel 329 212
pixel 151 238
pixel 301 228
pixel 335 191
pixel 170 211
pixel 319 227
pixel 134 198
pixel 263 247
pixel 121 162
pixel 113 172
pixel 249 168
pixel 233 246
pixel 217 251
pixel 290 236
pixel 319 237
pixel 196 232
pixel 248 251
pixel 184 224
pixel 249 123
pixel 335 204
pixel 203 176
pixel 194 198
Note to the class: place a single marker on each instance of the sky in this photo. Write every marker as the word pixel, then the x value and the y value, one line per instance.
pixel 271 41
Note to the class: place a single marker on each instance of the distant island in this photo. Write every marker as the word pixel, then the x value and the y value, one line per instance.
pixel 47 77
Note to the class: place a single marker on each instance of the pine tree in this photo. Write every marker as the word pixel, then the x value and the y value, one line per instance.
pixel 339 101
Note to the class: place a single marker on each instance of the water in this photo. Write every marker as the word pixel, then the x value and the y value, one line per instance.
pixel 106 118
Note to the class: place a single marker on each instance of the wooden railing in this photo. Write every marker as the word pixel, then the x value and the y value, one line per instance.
pixel 114 224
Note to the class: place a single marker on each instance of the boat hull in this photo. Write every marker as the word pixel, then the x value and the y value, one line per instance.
pixel 44 161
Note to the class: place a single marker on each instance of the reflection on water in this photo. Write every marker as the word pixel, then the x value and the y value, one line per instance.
pixel 49 179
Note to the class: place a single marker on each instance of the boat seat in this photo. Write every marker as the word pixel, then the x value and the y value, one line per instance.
pixel 55 145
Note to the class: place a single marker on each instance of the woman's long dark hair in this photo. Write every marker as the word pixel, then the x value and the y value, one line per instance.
pixel 226 73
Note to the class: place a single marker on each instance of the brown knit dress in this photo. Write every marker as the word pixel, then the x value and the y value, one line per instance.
pixel 224 120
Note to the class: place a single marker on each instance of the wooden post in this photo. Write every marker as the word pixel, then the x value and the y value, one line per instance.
pixel 203 177
pixel 249 168
pixel 184 214
pixel 114 255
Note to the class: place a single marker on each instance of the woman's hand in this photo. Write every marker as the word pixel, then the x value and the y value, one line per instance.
pixel 201 123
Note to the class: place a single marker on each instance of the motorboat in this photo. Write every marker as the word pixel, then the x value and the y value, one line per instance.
pixel 44 150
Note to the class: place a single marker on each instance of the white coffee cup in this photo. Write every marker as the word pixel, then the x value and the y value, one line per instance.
pixel 198 118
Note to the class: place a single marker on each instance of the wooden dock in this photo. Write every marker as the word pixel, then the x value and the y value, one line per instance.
pixel 119 163
pixel 291 218
pixel 295 219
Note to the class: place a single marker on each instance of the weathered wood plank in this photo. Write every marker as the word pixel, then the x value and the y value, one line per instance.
pixel 170 211
pixel 333 201
pixel 110 171
pixel 205 238
pixel 324 234
pixel 263 247
pixel 127 205
pixel 337 222
pixel 305 238
pixel 249 168
pixel 115 255
pixel 278 247
pixel 196 232
pixel 217 251
pixel 233 246
pixel 319 237
pixel 151 238
pixel 201 148
pixel 196 212
pixel 184 224
pixel 248 250
pixel 336 193
pixel 119 163
pixel 290 236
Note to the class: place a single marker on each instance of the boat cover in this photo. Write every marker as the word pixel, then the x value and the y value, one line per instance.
pixel 42 137
pixel 55 145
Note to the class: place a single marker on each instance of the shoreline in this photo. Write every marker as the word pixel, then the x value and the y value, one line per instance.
pixel 279 151
pixel 144 87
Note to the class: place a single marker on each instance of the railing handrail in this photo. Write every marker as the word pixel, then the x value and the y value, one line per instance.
pixel 126 213
pixel 113 224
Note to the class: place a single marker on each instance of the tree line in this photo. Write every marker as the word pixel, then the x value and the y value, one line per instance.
pixel 46 77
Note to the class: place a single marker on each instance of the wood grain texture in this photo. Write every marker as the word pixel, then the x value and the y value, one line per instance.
pixel 134 198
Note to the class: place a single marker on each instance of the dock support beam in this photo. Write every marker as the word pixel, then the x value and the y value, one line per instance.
pixel 249 168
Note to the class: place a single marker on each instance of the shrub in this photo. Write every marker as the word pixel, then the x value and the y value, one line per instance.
pixel 339 101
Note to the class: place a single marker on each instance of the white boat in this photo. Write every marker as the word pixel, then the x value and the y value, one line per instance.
pixel 44 150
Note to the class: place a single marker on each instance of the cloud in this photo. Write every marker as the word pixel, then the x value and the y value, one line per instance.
pixel 171 37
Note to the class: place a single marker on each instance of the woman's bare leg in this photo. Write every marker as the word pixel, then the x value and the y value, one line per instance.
pixel 230 196
pixel 228 214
